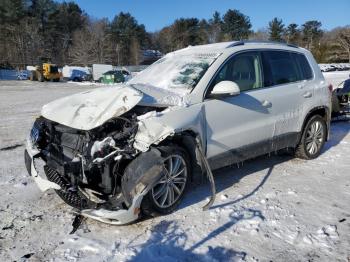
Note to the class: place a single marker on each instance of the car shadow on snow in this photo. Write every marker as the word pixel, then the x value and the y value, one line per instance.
pixel 339 130
pixel 169 242
pixel 229 176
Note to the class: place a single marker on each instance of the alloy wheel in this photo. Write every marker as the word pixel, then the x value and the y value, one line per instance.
pixel 172 184
pixel 314 138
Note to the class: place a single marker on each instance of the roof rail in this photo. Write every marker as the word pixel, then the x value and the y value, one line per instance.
pixel 239 43
pixel 236 43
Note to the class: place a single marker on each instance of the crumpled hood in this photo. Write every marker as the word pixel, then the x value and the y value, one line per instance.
pixel 92 108
pixel 161 97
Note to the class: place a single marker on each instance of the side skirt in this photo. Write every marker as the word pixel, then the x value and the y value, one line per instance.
pixel 250 151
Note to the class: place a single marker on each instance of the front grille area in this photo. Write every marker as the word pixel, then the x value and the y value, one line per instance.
pixel 66 146
pixel 62 144
pixel 71 141
pixel 72 198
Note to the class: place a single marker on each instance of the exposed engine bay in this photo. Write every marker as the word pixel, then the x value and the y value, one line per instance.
pixel 88 165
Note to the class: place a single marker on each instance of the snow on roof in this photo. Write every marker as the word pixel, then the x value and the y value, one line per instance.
pixel 209 48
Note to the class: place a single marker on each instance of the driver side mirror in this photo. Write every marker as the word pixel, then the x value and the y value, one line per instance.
pixel 225 88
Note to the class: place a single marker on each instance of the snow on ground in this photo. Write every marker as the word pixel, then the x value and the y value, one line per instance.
pixel 272 208
pixel 336 78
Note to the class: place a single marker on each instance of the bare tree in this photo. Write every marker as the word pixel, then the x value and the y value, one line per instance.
pixel 343 39
pixel 135 52
pixel 91 44
pixel 261 34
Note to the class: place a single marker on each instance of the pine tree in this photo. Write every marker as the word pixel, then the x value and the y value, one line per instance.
pixel 293 34
pixel 276 30
pixel 312 33
pixel 185 32
pixel 236 25
pixel 125 30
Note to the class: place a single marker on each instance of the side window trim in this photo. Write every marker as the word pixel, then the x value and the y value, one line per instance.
pixel 260 50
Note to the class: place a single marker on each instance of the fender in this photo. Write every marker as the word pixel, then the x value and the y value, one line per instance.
pixel 318 110
pixel 155 129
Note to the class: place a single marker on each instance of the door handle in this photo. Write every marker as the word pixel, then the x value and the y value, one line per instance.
pixel 307 95
pixel 266 103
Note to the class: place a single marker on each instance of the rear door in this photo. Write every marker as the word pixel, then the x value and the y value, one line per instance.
pixel 288 76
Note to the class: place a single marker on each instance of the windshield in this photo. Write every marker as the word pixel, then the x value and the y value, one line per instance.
pixel 179 73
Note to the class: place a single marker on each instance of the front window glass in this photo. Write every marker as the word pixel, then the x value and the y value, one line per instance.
pixel 176 72
pixel 243 69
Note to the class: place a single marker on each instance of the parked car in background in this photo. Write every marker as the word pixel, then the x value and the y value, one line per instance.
pixel 334 67
pixel 99 69
pixel 148 57
pixel 116 153
pixel 23 75
pixel 341 100
pixel 79 76
pixel 115 76
pixel 76 73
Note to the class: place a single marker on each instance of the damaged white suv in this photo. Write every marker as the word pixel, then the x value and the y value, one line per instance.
pixel 117 152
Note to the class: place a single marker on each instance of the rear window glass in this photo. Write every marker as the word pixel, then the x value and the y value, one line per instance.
pixel 281 67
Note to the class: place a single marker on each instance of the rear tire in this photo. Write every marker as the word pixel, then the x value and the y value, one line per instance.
pixel 32 76
pixel 40 77
pixel 167 194
pixel 313 138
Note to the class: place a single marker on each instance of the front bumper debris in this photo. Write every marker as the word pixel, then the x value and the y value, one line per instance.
pixel 30 153
pixel 118 217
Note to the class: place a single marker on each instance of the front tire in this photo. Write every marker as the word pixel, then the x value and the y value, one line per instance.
pixel 313 138
pixel 167 194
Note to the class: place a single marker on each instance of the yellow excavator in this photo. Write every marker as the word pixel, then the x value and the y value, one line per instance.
pixel 46 72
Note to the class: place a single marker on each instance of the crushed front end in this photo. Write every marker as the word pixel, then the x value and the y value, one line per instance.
pixel 86 167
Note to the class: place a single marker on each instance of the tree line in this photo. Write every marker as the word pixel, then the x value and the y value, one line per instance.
pixel 36 30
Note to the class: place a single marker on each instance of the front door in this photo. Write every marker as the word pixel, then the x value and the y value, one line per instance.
pixel 239 127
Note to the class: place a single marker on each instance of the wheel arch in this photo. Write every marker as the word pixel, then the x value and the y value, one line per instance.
pixel 188 140
pixel 322 111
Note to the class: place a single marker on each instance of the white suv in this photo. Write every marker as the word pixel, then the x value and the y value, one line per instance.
pixel 120 151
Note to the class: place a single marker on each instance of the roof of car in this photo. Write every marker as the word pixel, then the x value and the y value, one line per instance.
pixel 226 46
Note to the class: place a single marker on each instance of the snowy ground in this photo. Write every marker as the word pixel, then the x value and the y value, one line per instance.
pixel 273 208
pixel 337 78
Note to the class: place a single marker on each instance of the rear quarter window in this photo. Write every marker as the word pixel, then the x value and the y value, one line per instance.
pixel 304 66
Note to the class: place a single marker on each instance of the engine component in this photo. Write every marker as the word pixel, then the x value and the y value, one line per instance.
pixel 99 146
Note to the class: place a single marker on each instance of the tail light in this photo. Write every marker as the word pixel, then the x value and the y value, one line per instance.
pixel 330 88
